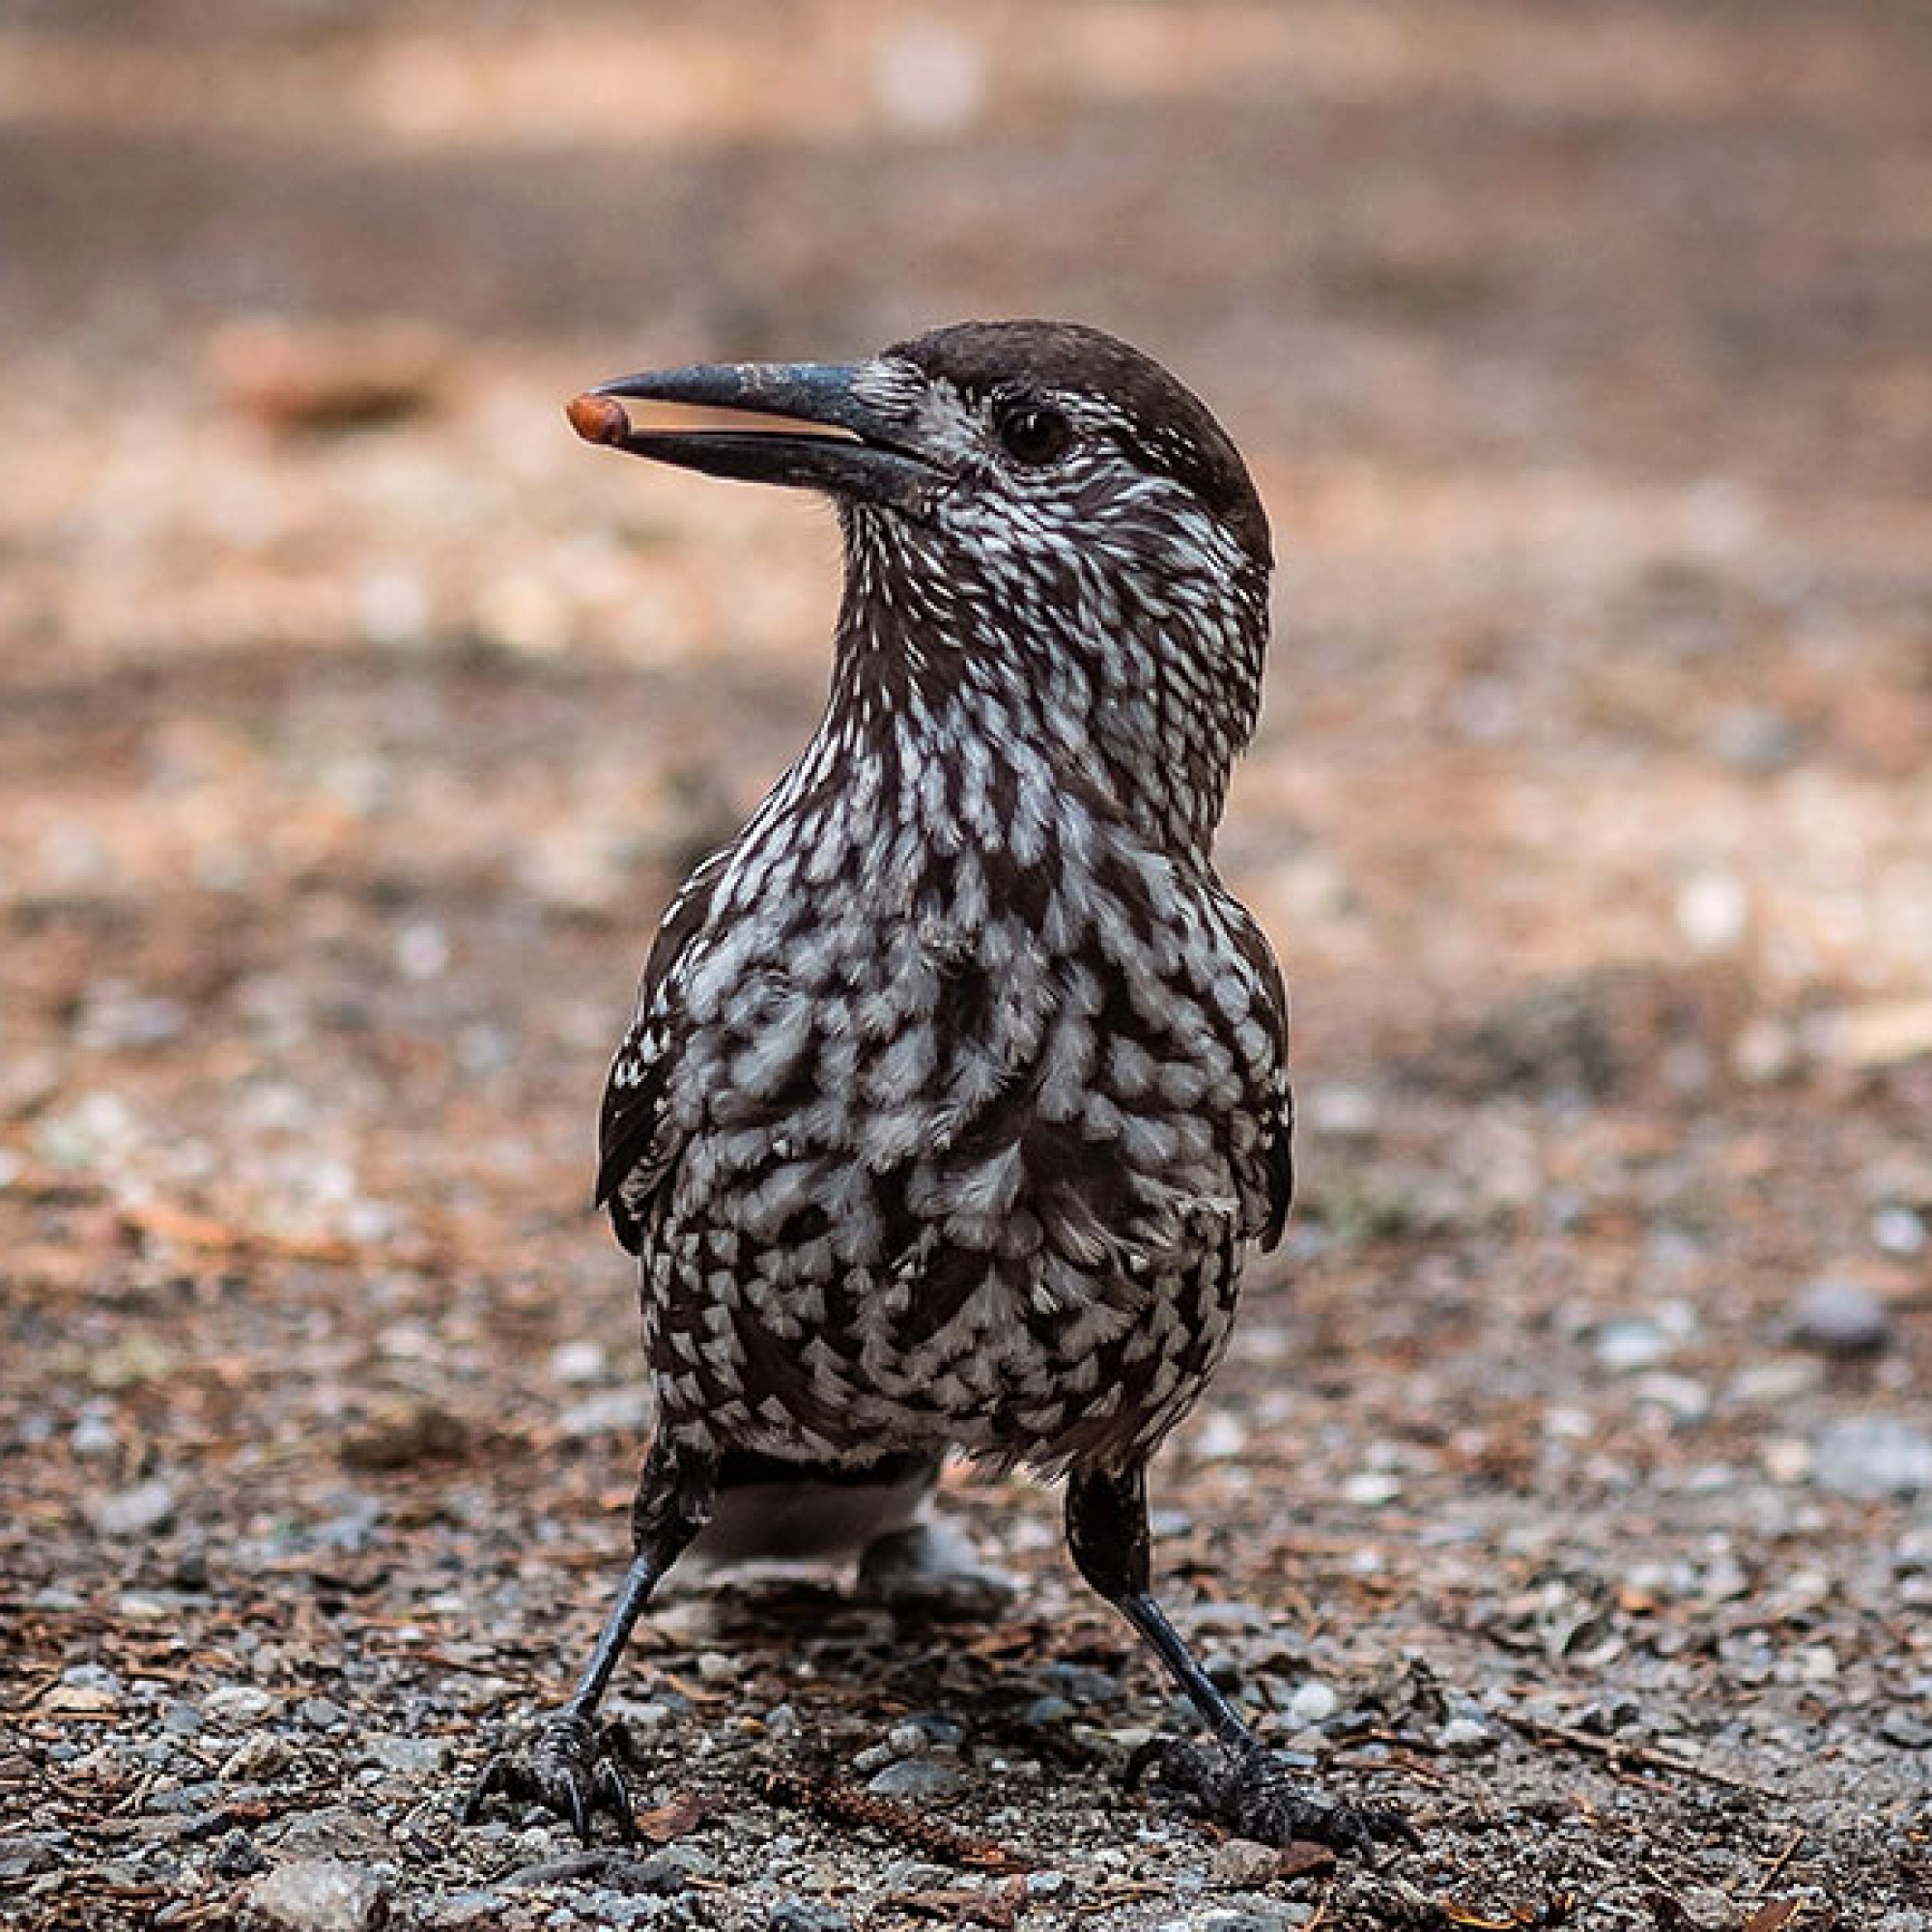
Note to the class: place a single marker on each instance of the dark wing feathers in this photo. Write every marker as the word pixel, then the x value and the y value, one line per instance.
pixel 1275 1100
pixel 629 1127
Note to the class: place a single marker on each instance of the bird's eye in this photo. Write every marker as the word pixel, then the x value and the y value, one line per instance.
pixel 1032 433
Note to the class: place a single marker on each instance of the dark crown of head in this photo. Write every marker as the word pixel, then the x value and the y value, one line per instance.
pixel 1027 367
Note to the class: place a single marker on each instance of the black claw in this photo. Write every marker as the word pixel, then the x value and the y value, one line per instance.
pixel 610 1794
pixel 1258 1795
pixel 481 1786
pixel 569 1770
pixel 1146 1756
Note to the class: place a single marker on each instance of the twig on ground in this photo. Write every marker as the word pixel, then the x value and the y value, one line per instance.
pixel 844 1804
pixel 1641 1757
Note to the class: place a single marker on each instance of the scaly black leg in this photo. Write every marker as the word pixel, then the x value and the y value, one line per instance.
pixel 1239 1781
pixel 571 1769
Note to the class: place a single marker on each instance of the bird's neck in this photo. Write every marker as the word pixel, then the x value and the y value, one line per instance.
pixel 984 728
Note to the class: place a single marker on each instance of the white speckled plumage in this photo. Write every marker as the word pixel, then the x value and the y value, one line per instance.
pixel 956 1090
pixel 956 1087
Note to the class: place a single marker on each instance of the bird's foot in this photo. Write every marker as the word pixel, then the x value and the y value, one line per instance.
pixel 572 1769
pixel 1258 1793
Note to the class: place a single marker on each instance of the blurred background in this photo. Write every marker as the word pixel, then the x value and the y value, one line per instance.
pixel 356 721
pixel 1582 352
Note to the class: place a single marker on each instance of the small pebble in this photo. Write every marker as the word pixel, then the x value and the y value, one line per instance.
pixel 1083 1683
pixel 1313 1702
pixel 92 1435
pixel 475 1906
pixel 1230 1918
pixel 914 1777
pixel 1371 1489
pixel 916 1875
pixel 1043 1711
pixel 23 1855
pixel 1705 1909
pixel 1631 1342
pixel 1219 1437
pixel 238 1855
pixel 1048 1884
pixel 1898 1231
pixel 1467 1735
pixel 579 1362
pixel 668 1872
pixel 617 1876
pixel 422 1755
pixel 1712 910
pixel 422 950
pixel 91 1677
pixel 344 1834
pixel 804 1914
pixel 1787 1460
pixel 1241 1862
pixel 1906 1731
pixel 615 1411
pixel 316 1896
pixel 1840 1318
pixel 392 608
pixel 1682 1397
pixel 1765 1052
pixel 940 1731
pixel 256 1759
pixel 1868 1457
pixel 137 1512
pixel 1775 1383
pixel 235 1705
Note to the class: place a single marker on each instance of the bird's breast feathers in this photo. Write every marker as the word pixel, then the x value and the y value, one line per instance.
pixel 1087 1095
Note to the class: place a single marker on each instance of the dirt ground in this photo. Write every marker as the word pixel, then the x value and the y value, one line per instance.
pixel 1571 1480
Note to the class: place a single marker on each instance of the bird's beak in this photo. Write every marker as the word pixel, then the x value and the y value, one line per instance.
pixel 854 449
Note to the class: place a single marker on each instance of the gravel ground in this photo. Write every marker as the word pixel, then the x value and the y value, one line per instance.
pixel 1571 1480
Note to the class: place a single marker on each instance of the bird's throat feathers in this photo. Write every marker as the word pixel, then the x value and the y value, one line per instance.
pixel 1131 683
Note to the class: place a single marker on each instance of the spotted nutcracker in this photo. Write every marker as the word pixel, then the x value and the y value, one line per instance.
pixel 957 1087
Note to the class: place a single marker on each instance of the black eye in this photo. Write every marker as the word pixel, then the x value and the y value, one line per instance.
pixel 1032 433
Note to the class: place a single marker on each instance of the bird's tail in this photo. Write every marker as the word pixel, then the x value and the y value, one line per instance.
pixel 768 1507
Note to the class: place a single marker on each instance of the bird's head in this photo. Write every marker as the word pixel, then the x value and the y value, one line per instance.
pixel 1032 510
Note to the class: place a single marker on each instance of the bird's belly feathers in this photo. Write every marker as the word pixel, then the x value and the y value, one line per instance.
pixel 1012 1358
pixel 996 1232
pixel 976 1170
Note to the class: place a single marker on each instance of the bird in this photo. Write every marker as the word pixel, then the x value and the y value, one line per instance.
pixel 957 1087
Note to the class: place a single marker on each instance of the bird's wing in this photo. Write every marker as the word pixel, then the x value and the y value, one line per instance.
pixel 1272 1182
pixel 634 1152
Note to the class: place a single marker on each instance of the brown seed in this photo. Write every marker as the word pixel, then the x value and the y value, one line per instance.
pixel 598 418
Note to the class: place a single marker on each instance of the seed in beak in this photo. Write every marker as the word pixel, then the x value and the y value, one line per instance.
pixel 598 418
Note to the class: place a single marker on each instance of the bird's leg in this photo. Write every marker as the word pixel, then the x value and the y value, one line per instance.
pixel 1237 1779
pixel 570 1769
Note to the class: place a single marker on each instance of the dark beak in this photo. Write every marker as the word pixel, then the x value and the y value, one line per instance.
pixel 853 447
